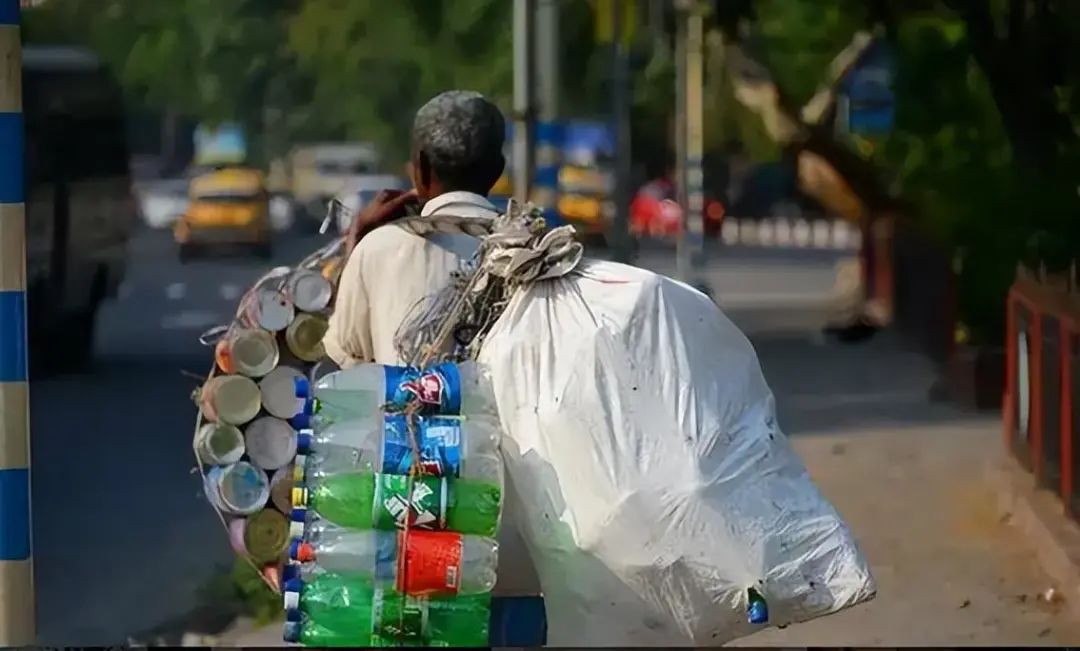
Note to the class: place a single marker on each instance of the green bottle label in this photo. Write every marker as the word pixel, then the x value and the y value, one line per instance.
pixel 426 509
pixel 398 619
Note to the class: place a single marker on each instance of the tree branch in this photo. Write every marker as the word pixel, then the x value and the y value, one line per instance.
pixel 824 100
pixel 828 171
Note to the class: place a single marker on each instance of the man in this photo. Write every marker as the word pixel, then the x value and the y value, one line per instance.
pixel 457 156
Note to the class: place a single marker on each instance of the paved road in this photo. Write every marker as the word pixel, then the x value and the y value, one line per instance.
pixel 122 538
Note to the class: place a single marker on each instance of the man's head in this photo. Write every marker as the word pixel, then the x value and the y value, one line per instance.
pixel 457 144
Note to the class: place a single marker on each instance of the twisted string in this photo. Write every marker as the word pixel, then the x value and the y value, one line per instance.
pixel 516 250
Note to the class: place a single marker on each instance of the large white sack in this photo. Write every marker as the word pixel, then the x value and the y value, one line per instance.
pixel 654 484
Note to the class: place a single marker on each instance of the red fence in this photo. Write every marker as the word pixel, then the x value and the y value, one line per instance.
pixel 1042 421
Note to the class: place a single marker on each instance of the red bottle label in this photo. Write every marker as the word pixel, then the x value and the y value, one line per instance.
pixel 429 562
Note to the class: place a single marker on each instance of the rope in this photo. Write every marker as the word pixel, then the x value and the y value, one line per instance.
pixel 516 251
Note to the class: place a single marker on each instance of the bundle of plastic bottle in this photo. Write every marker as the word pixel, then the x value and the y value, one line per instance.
pixel 397 498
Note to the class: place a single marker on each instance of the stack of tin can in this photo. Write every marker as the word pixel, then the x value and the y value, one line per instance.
pixel 244 441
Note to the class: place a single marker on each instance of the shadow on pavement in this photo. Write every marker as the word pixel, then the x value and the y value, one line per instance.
pixel 824 386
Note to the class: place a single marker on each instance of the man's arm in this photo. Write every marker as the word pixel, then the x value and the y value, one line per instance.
pixel 348 340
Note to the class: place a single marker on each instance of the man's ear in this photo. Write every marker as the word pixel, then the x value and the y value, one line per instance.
pixel 423 173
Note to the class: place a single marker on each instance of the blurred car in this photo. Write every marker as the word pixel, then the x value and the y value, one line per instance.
pixel 585 198
pixel 80 209
pixel 654 212
pixel 228 207
pixel 162 202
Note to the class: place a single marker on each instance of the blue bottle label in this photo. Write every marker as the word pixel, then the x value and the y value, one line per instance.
pixel 439 441
pixel 437 388
pixel 393 378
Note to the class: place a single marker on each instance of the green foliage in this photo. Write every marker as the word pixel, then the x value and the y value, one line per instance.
pixel 243 590
pixel 949 154
pixel 374 62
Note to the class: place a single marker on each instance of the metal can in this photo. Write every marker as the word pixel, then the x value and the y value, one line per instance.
pixel 309 290
pixel 304 337
pixel 237 489
pixel 230 399
pixel 248 351
pixel 219 444
pixel 278 391
pixel 267 308
pixel 270 442
pixel 281 485
pixel 266 536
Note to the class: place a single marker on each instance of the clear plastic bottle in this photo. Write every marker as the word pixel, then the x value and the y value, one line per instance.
pixel 334 610
pixel 437 562
pixel 366 500
pixel 449 446
pixel 360 392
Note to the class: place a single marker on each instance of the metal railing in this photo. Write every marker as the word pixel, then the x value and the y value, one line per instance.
pixel 1042 423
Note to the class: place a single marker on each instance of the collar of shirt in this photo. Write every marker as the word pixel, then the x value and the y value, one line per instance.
pixel 462 204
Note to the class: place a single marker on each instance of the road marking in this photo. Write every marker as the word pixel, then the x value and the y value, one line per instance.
pixel 176 291
pixel 190 320
pixel 230 292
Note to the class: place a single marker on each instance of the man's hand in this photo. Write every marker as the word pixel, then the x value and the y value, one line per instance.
pixel 387 206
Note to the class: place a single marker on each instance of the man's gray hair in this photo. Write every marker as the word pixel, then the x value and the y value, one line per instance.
pixel 461 135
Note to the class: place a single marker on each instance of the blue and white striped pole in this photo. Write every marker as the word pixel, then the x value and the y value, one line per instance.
pixel 16 572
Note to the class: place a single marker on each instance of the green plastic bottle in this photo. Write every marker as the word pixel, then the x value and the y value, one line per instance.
pixel 349 610
pixel 366 500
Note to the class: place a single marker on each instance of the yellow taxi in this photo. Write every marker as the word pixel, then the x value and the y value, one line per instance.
pixel 228 207
pixel 584 199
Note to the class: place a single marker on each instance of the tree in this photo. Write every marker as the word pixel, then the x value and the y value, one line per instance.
pixel 985 147
pixel 216 60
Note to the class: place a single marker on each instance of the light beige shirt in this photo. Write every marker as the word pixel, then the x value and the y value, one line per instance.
pixel 389 272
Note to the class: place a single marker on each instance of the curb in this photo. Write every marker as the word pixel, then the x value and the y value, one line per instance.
pixel 1040 516
pixel 787 233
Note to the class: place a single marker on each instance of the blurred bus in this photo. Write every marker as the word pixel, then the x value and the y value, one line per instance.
pixel 79 205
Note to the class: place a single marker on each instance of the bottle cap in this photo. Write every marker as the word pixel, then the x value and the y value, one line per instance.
pixel 291 632
pixel 303 441
pixel 298 515
pixel 291 600
pixel 295 616
pixel 302 420
pixel 290 571
pixel 301 551
pixel 296 529
pixel 301 387
pixel 293 586
pixel 299 468
pixel 299 496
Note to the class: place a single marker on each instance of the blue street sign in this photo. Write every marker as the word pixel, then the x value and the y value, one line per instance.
pixel 869 91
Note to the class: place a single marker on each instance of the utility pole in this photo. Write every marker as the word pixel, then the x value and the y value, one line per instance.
pixel 524 99
pixel 690 141
pixel 548 135
pixel 621 105
pixel 16 568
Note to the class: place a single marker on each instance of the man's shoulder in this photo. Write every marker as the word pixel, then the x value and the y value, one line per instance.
pixel 386 237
